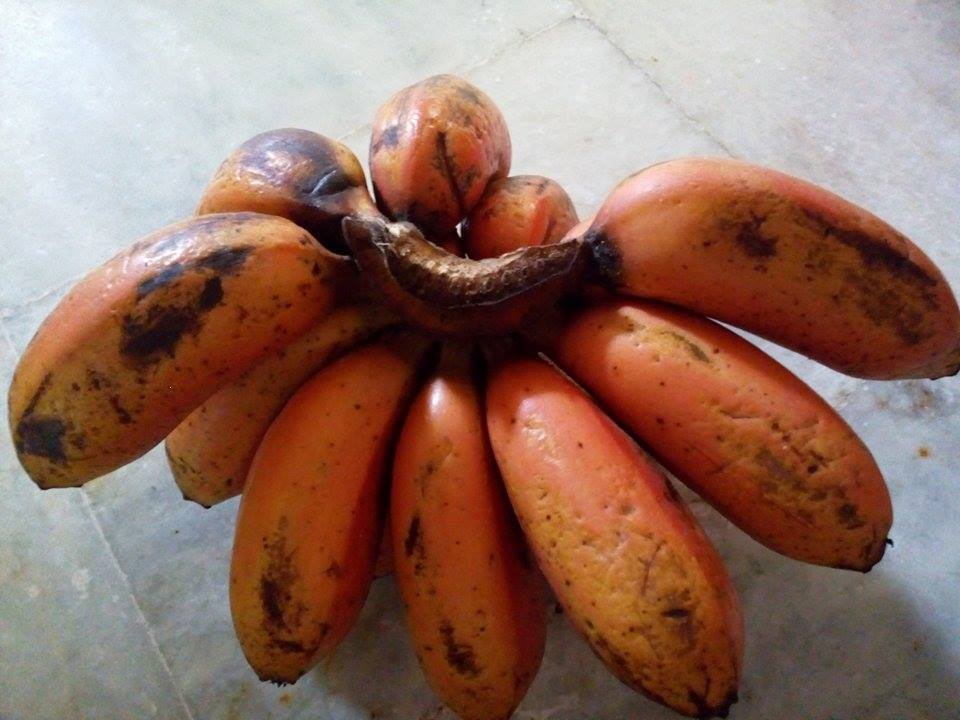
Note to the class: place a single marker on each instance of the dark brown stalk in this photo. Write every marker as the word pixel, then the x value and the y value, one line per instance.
pixel 451 295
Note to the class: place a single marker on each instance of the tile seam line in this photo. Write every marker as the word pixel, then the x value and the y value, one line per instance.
pixel 8 339
pixel 493 57
pixel 519 42
pixel 8 310
pixel 583 16
pixel 151 637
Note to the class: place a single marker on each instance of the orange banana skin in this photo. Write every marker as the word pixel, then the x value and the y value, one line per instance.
pixel 736 426
pixel 211 450
pixel 145 338
pixel 626 559
pixel 515 212
pixel 473 599
pixel 434 147
pixel 310 517
pixel 781 258
pixel 297 174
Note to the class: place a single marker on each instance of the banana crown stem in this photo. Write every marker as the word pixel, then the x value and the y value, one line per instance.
pixel 450 294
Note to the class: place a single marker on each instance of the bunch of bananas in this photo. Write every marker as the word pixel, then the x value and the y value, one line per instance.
pixel 422 375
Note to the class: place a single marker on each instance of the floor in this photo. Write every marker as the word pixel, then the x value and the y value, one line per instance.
pixel 113 597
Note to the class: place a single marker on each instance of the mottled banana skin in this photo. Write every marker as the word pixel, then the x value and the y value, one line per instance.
pixel 472 595
pixel 149 335
pixel 311 514
pixel 296 174
pixel 211 450
pixel 434 147
pixel 784 259
pixel 736 426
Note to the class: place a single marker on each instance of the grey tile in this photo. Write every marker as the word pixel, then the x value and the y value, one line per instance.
pixel 863 97
pixel 579 112
pixel 73 643
pixel 116 114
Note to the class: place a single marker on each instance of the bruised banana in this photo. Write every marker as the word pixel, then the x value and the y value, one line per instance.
pixel 781 258
pixel 473 599
pixel 515 212
pixel 211 450
pixel 310 517
pixel 148 336
pixel 626 559
pixel 296 174
pixel 301 176
pixel 734 425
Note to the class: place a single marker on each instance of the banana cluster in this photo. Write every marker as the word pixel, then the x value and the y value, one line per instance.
pixel 420 377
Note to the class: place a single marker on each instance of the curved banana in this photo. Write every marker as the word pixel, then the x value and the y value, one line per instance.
pixel 783 259
pixel 310 517
pixel 626 559
pixel 148 336
pixel 211 450
pixel 736 426
pixel 473 598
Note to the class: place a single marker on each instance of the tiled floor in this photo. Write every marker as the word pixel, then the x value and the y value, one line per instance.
pixel 113 598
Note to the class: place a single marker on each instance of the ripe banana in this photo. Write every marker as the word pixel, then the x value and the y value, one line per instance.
pixel 310 516
pixel 515 212
pixel 626 559
pixel 783 259
pixel 473 598
pixel 149 335
pixel 211 450
pixel 296 174
pixel 736 426
pixel 434 147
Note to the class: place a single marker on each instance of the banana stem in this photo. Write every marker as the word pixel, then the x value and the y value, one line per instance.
pixel 451 295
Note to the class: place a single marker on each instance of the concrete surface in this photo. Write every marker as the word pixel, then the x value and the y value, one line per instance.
pixel 113 115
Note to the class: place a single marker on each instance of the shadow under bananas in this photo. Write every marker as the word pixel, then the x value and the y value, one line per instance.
pixel 822 644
